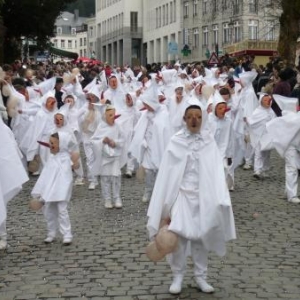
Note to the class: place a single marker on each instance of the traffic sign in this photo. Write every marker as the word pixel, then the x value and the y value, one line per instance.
pixel 213 60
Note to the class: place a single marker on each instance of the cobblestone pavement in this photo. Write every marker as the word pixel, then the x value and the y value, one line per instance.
pixel 107 260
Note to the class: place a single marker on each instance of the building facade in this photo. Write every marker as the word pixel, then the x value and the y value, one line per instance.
pixel 71 34
pixel 237 27
pixel 91 37
pixel 162 30
pixel 119 31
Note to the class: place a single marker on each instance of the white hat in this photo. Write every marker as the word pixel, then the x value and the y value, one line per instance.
pixel 286 103
pixel 47 85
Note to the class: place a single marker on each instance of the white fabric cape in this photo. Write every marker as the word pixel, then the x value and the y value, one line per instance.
pixel 12 172
pixel 215 213
pixel 161 136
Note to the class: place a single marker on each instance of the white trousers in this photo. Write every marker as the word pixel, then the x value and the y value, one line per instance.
pixel 150 176
pixel 3 233
pixel 110 186
pixel 249 153
pixel 261 160
pixel 57 217
pixel 292 160
pixel 177 259
pixel 88 149
pixel 131 164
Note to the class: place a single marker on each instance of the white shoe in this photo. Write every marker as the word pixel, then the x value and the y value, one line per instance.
pixel 67 241
pixel 49 239
pixel 294 200
pixel 92 186
pixel 247 167
pixel 37 173
pixel 79 181
pixel 231 189
pixel 3 244
pixel 145 199
pixel 257 175
pixel 204 286
pixel 108 204
pixel 118 203
pixel 128 174
pixel 175 287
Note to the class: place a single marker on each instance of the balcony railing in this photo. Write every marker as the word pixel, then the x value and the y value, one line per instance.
pixel 251 45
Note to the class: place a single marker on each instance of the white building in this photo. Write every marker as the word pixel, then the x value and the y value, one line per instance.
pixel 70 30
pixel 162 30
pixel 119 31
pixel 91 37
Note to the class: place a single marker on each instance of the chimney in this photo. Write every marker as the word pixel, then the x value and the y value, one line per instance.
pixel 76 14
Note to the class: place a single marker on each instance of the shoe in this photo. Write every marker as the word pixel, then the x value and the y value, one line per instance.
pixel 79 181
pixel 257 175
pixel 231 189
pixel 294 200
pixel 118 203
pixel 247 167
pixel 3 244
pixel 92 186
pixel 37 173
pixel 128 174
pixel 204 286
pixel 175 287
pixel 49 239
pixel 108 204
pixel 145 199
pixel 67 241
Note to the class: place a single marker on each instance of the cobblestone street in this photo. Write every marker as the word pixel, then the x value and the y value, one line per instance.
pixel 107 257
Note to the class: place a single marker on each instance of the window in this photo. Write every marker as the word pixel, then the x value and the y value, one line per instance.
pixel 253 29
pixel 171 12
pixel 164 15
pixel 195 8
pixel 270 31
pixel 62 44
pixel 186 9
pixel 73 31
pixel 236 32
pixel 167 14
pixel 80 42
pixel 84 42
pixel 159 16
pixel 133 21
pixel 225 4
pixel 226 33
pixel 58 30
pixel 253 6
pixel 205 36
pixel 196 38
pixel 214 6
pixel 204 7
pixel 91 31
pixel 69 44
pixel 236 7
pixel 55 43
pixel 215 34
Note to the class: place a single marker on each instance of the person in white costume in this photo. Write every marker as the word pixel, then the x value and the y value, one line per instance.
pixel 176 106
pixel 191 193
pixel 220 126
pixel 284 133
pixel 39 130
pixel 108 146
pixel 12 176
pixel 150 138
pixel 89 118
pixel 54 187
pixel 249 102
pixel 257 129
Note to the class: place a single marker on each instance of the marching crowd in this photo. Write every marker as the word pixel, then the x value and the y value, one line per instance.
pixel 188 127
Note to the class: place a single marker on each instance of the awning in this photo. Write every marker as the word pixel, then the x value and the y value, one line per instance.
pixel 63 53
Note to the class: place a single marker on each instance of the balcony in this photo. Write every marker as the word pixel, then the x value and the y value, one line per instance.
pixel 251 47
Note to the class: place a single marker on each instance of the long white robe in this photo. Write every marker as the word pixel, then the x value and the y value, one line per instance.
pixel 213 209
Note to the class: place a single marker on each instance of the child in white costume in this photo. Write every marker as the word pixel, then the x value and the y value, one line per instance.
pixel 12 175
pixel 220 126
pixel 257 128
pixel 190 191
pixel 151 136
pixel 54 187
pixel 110 157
